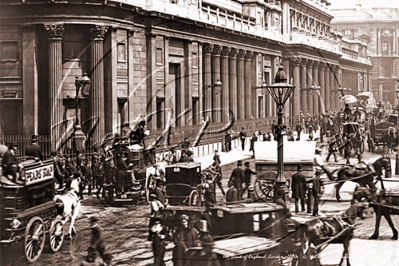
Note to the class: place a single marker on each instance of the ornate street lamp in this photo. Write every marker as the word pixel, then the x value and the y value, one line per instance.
pixel 217 87
pixel 263 88
pixel 79 137
pixel 280 92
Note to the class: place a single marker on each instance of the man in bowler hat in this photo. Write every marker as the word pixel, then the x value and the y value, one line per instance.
pixel 34 150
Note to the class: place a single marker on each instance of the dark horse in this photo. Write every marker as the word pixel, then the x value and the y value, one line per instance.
pixel 352 171
pixel 380 198
pixel 319 230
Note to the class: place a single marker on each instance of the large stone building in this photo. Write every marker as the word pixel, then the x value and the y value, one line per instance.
pixel 379 27
pixel 146 56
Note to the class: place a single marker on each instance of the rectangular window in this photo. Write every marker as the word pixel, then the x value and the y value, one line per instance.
pixel 260 107
pixel 385 47
pixel 194 60
pixel 121 52
pixel 159 56
pixel 160 113
pixel 9 50
pixel 347 32
pixel 195 110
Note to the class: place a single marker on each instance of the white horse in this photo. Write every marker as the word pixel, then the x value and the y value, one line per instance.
pixel 68 205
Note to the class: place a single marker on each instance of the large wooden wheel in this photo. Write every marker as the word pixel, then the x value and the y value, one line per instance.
pixel 149 186
pixel 194 199
pixel 35 236
pixel 56 235
pixel 264 185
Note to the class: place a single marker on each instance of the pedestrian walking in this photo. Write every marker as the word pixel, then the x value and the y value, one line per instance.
pixel 227 142
pixel 157 202
pixel 254 138
pixel 97 242
pixel 316 192
pixel 160 235
pixel 237 178
pixel 298 129
pixel 185 237
pixel 216 157
pixel 243 136
pixel 332 149
pixel 298 187
pixel 218 179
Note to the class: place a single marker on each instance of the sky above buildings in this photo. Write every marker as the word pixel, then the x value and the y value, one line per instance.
pixel 339 4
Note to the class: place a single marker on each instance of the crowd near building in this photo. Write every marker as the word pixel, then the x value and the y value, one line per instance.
pixel 163 57
pixel 379 28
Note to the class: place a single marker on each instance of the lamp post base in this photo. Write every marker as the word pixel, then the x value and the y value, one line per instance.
pixel 279 190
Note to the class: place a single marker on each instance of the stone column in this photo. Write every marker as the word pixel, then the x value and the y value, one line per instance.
pixel 216 112
pixel 55 33
pixel 240 84
pixel 208 48
pixel 304 86
pixel 316 97
pixel 334 88
pixel 97 77
pixel 297 91
pixel 233 81
pixel 287 106
pixel 380 93
pixel 247 84
pixel 327 89
pixel 310 83
pixel 225 81
pixel 322 88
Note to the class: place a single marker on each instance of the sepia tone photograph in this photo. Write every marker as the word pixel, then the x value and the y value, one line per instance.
pixel 199 132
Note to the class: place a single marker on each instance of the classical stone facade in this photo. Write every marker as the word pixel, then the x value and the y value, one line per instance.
pixel 161 58
pixel 379 27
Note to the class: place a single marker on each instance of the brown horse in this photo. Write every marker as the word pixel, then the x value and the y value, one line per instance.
pixel 352 171
pixel 379 198
pixel 319 230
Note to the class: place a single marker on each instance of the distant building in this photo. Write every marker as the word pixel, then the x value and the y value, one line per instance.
pixel 154 57
pixel 379 27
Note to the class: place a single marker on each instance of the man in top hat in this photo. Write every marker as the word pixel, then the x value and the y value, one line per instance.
pixel 242 136
pixel 205 256
pixel 298 187
pixel 34 150
pixel 10 162
pixel 237 178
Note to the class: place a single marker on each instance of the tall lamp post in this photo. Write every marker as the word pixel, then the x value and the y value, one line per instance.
pixel 280 92
pixel 79 137
pixel 397 96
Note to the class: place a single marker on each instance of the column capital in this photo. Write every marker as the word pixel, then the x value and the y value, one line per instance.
pixel 316 64
pixel 226 51
pixel 249 54
pixel 54 31
pixel 208 48
pixel 310 63
pixel 304 61
pixel 322 65
pixel 234 52
pixel 296 60
pixel 241 53
pixel 97 32
pixel 217 49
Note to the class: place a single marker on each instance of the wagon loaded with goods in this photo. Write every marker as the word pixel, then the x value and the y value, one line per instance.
pixel 28 211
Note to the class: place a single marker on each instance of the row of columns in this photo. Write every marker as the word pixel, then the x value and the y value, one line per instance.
pixel 311 72
pixel 96 74
pixel 350 79
pixel 234 68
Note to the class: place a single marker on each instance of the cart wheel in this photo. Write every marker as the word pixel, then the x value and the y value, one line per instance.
pixel 109 194
pixel 56 235
pixel 149 185
pixel 194 199
pixel 35 236
pixel 264 187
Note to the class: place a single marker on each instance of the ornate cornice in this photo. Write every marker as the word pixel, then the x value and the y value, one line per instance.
pixel 98 32
pixel 208 48
pixel 226 51
pixel 217 49
pixel 54 30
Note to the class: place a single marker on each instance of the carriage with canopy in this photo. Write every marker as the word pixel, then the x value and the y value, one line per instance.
pixel 28 212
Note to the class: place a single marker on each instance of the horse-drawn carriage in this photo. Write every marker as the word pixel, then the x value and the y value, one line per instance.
pixel 28 211
pixel 383 134
pixel 129 179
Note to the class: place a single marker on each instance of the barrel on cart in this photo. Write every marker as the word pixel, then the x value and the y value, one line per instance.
pixel 28 211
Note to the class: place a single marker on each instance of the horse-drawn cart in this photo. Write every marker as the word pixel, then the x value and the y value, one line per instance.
pixel 28 211
pixel 383 135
